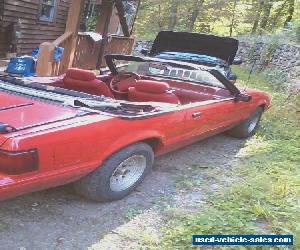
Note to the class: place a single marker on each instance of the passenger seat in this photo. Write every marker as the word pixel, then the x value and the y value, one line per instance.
pixel 152 91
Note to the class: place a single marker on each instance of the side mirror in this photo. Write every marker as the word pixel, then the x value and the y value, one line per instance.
pixel 144 52
pixel 243 98
pixel 237 61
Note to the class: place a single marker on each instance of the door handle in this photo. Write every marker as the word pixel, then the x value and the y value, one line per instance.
pixel 196 114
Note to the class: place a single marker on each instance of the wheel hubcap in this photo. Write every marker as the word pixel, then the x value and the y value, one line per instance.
pixel 253 124
pixel 128 173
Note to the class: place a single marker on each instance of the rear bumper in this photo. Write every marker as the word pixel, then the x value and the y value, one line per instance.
pixel 15 185
pixel 12 186
pixel 7 187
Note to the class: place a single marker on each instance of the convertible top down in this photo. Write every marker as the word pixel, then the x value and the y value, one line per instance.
pixel 103 132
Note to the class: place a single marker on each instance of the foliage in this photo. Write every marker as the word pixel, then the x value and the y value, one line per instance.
pixel 132 212
pixel 264 196
pixel 91 23
pixel 276 77
pixel 296 30
pixel 268 51
pixel 215 16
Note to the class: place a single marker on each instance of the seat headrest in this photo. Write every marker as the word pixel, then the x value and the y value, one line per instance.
pixel 80 74
pixel 71 82
pixel 151 86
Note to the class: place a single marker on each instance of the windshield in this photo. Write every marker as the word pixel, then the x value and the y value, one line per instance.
pixel 169 70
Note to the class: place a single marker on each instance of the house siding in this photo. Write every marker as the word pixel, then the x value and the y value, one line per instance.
pixel 32 31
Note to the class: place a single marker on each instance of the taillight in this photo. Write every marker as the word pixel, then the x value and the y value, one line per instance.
pixel 13 163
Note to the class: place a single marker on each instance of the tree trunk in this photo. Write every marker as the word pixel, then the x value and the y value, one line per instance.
pixel 197 5
pixel 160 25
pixel 233 18
pixel 278 14
pixel 267 6
pixel 291 10
pixel 257 16
pixel 173 14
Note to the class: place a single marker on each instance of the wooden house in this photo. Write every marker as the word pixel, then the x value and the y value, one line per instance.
pixel 28 24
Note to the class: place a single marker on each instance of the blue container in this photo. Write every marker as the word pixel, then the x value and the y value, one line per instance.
pixel 24 65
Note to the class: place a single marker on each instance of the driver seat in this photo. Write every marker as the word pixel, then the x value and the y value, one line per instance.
pixel 85 81
pixel 151 91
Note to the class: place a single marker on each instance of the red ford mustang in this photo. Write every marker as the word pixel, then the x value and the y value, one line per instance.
pixel 103 132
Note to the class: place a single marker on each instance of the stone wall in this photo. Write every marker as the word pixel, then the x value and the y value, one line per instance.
pixel 139 45
pixel 285 57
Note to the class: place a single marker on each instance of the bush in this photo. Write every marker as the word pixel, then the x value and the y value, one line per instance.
pixel 91 23
pixel 296 30
pixel 276 76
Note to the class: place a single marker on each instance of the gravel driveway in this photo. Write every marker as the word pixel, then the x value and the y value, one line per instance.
pixel 58 219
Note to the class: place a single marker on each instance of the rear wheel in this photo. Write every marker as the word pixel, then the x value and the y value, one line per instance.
pixel 248 127
pixel 119 175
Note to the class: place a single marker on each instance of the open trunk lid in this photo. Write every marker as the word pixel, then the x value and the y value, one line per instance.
pixel 224 48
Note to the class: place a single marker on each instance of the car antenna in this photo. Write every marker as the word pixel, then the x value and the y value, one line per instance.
pixel 251 70
pixel 249 75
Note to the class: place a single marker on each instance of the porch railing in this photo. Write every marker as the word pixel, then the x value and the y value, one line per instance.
pixel 46 65
pixel 79 51
pixel 87 51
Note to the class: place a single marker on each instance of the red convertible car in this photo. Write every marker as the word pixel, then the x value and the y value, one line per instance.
pixel 103 132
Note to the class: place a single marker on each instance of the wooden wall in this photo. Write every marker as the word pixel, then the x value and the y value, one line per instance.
pixel 2 40
pixel 32 30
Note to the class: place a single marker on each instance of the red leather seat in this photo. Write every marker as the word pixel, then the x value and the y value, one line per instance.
pixel 85 81
pixel 188 96
pixel 151 91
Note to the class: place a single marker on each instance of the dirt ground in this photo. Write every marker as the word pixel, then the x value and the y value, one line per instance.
pixel 59 219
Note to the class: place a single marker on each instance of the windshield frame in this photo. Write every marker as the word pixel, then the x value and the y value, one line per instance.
pixel 219 76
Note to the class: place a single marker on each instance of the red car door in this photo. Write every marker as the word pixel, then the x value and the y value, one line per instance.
pixel 205 117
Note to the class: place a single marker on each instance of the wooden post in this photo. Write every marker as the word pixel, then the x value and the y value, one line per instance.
pixel 123 21
pixel 114 22
pixel 134 20
pixel 73 21
pixel 108 13
pixel 45 59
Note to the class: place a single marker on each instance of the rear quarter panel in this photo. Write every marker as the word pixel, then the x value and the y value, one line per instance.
pixel 70 152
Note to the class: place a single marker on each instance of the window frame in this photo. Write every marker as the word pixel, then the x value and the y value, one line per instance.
pixel 54 6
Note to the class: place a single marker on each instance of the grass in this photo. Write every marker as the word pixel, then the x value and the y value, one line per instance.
pixel 132 212
pixel 265 199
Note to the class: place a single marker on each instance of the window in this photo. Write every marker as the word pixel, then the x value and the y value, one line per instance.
pixel 91 10
pixel 47 10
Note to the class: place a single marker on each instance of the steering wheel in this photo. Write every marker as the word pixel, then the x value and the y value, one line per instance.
pixel 121 76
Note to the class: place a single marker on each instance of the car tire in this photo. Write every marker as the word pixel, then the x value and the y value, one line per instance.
pixel 119 175
pixel 248 127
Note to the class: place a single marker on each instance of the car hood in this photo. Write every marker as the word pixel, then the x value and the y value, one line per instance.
pixel 224 48
pixel 21 112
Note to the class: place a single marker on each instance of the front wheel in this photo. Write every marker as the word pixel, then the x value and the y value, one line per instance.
pixel 248 127
pixel 119 175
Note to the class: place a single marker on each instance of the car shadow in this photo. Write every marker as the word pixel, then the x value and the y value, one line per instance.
pixel 59 219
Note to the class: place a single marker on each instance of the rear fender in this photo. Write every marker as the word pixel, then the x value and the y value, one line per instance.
pixel 3 139
pixel 132 138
